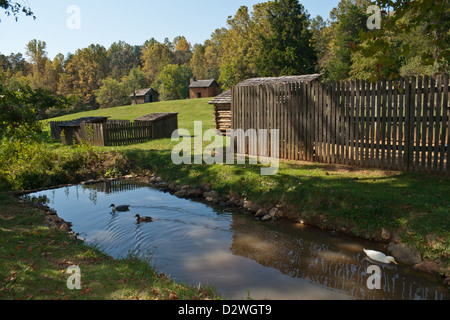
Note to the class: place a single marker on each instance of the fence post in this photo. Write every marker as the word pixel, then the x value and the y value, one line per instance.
pixel 409 123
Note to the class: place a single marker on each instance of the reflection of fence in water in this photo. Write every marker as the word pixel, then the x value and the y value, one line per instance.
pixel 325 265
pixel 112 187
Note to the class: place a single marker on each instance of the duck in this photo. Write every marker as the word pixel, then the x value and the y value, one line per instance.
pixel 143 219
pixel 379 256
pixel 120 208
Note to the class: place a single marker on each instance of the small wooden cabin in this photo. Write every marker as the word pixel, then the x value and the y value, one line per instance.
pixel 222 111
pixel 287 104
pixel 147 95
pixel 163 124
pixel 74 132
pixel 203 88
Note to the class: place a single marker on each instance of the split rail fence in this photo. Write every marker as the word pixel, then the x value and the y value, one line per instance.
pixel 394 125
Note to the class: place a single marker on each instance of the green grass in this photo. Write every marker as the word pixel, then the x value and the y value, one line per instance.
pixel 189 111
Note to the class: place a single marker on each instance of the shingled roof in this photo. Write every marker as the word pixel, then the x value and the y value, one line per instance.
pixel 285 79
pixel 155 116
pixel 223 98
pixel 142 92
pixel 77 122
pixel 202 83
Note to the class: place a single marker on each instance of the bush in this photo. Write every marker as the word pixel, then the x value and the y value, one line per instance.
pixel 28 165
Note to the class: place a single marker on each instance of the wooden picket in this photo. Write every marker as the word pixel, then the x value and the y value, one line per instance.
pixel 121 132
pixel 394 125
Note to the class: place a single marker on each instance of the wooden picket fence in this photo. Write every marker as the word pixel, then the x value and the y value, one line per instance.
pixel 395 125
pixel 118 132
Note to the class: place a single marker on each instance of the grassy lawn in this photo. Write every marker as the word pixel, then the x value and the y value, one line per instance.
pixel 189 111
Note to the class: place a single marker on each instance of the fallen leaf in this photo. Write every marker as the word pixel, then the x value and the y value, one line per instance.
pixel 173 296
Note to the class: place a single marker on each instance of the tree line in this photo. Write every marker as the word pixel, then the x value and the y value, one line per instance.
pixel 274 38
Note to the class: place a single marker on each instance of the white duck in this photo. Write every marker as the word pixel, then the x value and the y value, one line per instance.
pixel 379 256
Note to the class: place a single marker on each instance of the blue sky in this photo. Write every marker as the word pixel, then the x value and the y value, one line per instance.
pixel 133 21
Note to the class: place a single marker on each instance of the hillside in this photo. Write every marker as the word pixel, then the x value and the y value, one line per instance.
pixel 189 111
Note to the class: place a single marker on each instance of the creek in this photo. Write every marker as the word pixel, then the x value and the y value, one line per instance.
pixel 240 256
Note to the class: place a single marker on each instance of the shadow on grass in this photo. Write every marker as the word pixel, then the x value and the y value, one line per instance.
pixel 366 200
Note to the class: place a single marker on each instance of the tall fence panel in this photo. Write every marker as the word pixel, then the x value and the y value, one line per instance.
pixel 393 125
pixel 117 134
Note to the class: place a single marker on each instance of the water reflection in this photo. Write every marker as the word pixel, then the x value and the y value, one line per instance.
pixel 195 243
pixel 327 261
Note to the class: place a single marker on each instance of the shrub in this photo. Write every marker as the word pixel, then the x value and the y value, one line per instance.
pixel 28 165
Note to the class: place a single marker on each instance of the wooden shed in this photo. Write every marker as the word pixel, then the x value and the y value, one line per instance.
pixel 203 88
pixel 273 104
pixel 222 111
pixel 74 131
pixel 164 124
pixel 147 95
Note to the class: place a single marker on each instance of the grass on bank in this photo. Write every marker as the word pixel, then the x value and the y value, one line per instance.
pixel 35 258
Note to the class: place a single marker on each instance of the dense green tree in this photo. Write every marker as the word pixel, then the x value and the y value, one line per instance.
pixel 321 38
pixel 348 22
pixel 15 63
pixel 36 52
pixel 198 62
pixel 122 58
pixel 214 53
pixel 156 56
pixel 112 93
pixel 87 68
pixel 135 80
pixel 287 49
pixel 421 29
pixel 21 108
pixel 241 44
pixel 173 82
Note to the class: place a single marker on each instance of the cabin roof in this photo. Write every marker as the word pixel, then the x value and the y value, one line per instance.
pixel 223 98
pixel 202 83
pixel 276 80
pixel 143 92
pixel 77 122
pixel 155 116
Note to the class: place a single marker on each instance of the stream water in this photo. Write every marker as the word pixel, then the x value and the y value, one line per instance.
pixel 241 257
